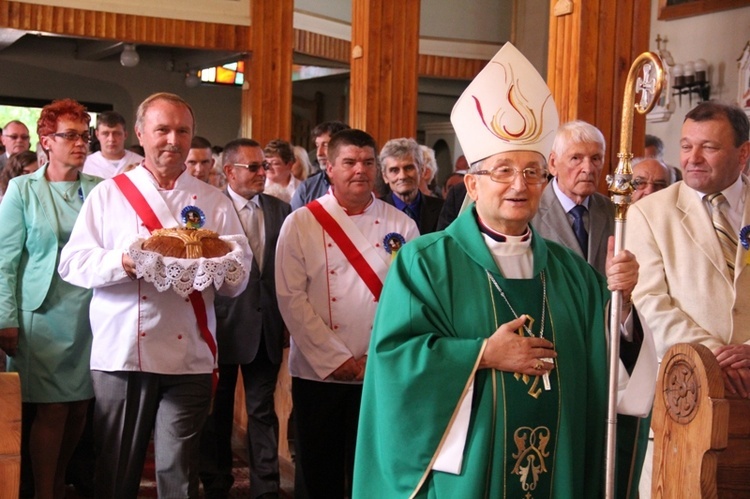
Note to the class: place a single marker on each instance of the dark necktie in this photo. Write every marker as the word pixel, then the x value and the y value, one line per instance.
pixel 579 229
pixel 410 213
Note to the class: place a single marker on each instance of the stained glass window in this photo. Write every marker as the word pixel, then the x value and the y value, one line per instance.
pixel 228 74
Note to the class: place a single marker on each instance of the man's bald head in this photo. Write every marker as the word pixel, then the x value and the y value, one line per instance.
pixel 649 175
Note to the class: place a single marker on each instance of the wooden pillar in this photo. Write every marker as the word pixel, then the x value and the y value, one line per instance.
pixel 385 53
pixel 591 47
pixel 267 96
pixel 10 434
pixel 267 115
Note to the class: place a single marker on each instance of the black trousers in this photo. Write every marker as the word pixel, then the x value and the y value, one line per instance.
pixel 259 382
pixel 326 417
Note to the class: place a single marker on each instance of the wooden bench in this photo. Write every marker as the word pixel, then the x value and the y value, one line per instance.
pixel 10 435
pixel 701 437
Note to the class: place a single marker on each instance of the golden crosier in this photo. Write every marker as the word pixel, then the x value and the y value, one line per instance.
pixel 649 86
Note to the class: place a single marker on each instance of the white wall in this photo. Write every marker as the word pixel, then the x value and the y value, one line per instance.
pixel 719 39
pixel 531 35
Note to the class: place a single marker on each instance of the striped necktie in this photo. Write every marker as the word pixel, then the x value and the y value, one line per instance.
pixel 724 232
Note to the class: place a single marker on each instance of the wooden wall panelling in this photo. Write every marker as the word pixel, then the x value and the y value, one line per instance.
pixel 144 29
pixel 10 434
pixel 613 48
pixel 325 47
pixel 590 53
pixel 124 27
pixel 267 103
pixel 383 88
pixel 435 66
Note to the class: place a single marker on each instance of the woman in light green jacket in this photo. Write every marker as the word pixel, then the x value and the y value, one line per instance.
pixel 44 325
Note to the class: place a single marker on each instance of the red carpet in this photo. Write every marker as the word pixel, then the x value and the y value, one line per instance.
pixel 240 471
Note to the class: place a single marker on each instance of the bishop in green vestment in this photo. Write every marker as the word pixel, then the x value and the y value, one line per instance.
pixel 437 309
pixel 486 374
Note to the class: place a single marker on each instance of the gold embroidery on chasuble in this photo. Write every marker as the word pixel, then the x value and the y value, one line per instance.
pixel 529 424
pixel 531 453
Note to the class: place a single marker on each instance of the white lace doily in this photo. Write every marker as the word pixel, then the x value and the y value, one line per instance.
pixel 184 275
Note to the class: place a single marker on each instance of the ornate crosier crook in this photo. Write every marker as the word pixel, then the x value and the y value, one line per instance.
pixel 646 77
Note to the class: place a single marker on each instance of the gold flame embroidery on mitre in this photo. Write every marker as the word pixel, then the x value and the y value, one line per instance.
pixel 515 120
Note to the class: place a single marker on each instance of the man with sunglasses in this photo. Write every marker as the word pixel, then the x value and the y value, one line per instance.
pixel 16 139
pixel 249 334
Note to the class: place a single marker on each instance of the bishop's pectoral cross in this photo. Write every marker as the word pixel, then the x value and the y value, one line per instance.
pixel 534 390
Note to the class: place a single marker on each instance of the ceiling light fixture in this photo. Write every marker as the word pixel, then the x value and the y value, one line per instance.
pixel 129 57
pixel 192 79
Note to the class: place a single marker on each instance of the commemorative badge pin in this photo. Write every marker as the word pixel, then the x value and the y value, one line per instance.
pixel 745 241
pixel 392 242
pixel 193 217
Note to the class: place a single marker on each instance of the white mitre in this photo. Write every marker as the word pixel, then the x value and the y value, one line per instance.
pixel 508 107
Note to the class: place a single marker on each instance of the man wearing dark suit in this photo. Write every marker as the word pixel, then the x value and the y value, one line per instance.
pixel 454 201
pixel 401 161
pixel 571 211
pixel 250 335
pixel 15 139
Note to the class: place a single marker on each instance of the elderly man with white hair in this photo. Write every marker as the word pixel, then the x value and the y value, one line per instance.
pixel 402 167
pixel 571 211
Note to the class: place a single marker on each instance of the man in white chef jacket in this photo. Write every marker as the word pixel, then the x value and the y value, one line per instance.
pixel 153 353
pixel 331 260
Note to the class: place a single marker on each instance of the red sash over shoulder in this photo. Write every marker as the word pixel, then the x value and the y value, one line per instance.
pixel 152 223
pixel 350 251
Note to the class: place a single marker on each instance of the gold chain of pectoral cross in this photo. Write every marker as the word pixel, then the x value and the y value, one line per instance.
pixel 534 390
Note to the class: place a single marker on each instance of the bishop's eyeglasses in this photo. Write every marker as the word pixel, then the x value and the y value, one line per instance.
pixel 506 175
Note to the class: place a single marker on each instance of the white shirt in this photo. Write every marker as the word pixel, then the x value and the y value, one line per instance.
pixel 281 192
pixel 326 306
pixel 99 166
pixel 134 326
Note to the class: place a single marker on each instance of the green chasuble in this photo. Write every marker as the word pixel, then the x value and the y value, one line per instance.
pixel 436 310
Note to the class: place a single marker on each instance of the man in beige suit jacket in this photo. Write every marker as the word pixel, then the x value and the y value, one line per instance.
pixel 686 291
